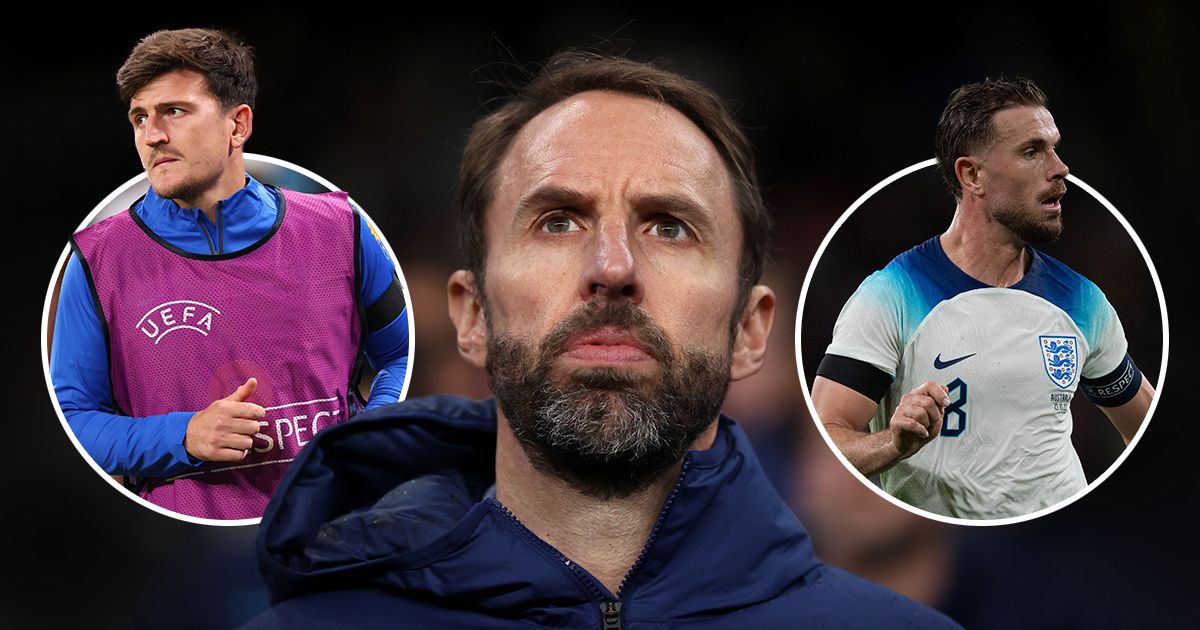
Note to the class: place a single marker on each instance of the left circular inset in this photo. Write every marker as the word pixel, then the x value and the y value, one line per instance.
pixel 191 354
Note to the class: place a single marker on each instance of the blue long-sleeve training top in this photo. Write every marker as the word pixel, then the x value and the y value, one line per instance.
pixel 152 446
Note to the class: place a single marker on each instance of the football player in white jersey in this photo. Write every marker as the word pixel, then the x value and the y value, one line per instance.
pixel 952 369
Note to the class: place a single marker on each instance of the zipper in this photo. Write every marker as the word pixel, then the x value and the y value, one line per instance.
pixel 610 610
pixel 593 586
pixel 204 231
pixel 220 248
pixel 662 516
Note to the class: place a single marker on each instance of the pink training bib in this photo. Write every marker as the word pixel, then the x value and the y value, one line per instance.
pixel 186 329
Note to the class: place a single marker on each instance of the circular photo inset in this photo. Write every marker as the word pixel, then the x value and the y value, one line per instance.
pixel 191 353
pixel 978 367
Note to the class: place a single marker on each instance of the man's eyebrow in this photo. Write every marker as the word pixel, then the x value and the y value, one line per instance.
pixel 551 195
pixel 674 204
pixel 138 109
pixel 559 196
pixel 679 206
pixel 1039 142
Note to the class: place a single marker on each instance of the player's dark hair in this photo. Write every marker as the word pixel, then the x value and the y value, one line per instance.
pixel 570 72
pixel 226 63
pixel 966 124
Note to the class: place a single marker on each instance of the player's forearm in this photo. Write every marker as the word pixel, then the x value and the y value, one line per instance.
pixel 144 447
pixel 1128 418
pixel 388 384
pixel 869 453
pixel 387 352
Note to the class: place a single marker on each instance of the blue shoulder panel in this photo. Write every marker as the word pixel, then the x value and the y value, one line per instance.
pixel 924 276
pixel 920 279
pixel 1065 288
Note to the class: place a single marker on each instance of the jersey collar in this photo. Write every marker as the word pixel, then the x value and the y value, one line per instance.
pixel 242 206
pixel 244 217
pixel 1032 277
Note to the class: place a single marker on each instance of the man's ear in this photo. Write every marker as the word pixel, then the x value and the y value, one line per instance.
pixel 466 313
pixel 242 119
pixel 750 346
pixel 969 171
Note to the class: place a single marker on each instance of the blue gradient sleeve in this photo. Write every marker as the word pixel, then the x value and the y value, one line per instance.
pixel 376 266
pixel 877 320
pixel 1107 347
pixel 151 446
pixel 387 352
pixel 387 346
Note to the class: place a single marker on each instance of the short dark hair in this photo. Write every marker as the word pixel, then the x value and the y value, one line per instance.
pixel 571 72
pixel 226 63
pixel 966 124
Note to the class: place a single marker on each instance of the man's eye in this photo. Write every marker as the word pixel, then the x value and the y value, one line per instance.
pixel 174 111
pixel 670 229
pixel 560 224
pixel 139 119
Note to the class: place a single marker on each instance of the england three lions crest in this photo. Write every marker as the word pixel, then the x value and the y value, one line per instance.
pixel 1061 358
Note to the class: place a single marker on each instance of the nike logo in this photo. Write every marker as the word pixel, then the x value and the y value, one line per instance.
pixel 938 364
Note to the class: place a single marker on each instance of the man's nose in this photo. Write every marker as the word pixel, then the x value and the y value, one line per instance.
pixel 610 270
pixel 1058 168
pixel 153 132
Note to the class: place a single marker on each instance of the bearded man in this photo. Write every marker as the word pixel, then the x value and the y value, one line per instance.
pixel 614 233
pixel 952 370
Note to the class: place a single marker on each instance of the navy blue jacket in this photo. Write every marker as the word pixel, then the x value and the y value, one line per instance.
pixel 380 523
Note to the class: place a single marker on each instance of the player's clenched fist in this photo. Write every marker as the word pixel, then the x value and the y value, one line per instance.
pixel 918 417
pixel 224 432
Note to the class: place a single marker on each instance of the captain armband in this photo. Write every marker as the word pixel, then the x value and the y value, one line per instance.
pixel 1115 388
pixel 860 376
pixel 387 308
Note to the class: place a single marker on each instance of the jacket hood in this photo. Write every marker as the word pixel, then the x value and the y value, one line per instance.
pixel 395 499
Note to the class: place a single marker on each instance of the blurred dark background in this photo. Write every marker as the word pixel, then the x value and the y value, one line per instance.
pixel 834 99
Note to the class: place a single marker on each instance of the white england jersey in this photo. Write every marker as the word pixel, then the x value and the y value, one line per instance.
pixel 1012 359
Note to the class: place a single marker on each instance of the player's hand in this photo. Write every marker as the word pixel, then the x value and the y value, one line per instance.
pixel 918 417
pixel 224 431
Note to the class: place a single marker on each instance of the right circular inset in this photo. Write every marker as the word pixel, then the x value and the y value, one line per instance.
pixel 941 356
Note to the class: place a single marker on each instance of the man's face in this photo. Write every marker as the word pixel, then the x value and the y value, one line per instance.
pixel 182 134
pixel 611 281
pixel 1025 179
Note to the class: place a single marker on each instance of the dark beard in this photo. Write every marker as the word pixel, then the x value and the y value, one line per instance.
pixel 607 432
pixel 1029 230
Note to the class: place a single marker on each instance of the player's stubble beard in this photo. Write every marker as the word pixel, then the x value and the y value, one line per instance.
pixel 1029 226
pixel 190 189
pixel 607 432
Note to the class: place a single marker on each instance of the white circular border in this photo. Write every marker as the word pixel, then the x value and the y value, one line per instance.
pixel 140 180
pixel 1166 336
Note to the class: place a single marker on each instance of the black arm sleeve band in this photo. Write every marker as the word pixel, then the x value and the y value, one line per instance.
pixel 860 376
pixel 1115 388
pixel 385 310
